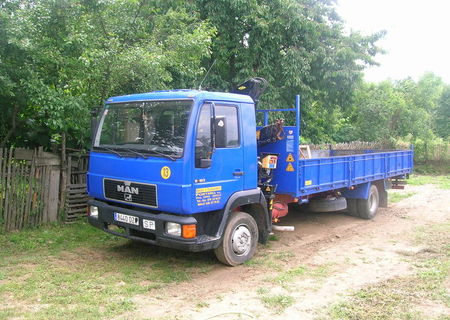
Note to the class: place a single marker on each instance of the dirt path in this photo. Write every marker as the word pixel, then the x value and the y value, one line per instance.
pixel 327 257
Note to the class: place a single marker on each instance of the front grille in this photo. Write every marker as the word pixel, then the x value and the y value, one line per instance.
pixel 130 192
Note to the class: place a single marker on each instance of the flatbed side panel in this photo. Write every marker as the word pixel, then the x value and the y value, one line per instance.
pixel 325 174
pixel 322 174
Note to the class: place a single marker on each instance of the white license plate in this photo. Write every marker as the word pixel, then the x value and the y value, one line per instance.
pixel 126 218
pixel 148 224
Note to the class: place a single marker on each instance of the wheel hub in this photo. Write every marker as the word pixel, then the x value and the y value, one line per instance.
pixel 241 240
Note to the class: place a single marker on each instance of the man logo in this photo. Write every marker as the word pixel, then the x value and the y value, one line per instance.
pixel 128 189
pixel 128 197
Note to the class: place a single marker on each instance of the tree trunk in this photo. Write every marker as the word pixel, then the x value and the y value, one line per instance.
pixel 11 130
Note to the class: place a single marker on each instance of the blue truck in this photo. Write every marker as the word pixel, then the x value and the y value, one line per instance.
pixel 191 170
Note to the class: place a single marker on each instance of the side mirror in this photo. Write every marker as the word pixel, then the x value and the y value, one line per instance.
pixel 93 127
pixel 95 111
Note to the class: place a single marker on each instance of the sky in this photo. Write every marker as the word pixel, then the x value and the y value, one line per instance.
pixel 417 39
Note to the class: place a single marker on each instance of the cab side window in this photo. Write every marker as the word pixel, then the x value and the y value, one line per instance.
pixel 226 126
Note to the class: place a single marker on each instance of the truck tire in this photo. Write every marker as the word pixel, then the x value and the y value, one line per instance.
pixel 367 208
pixel 239 240
pixel 352 207
pixel 327 204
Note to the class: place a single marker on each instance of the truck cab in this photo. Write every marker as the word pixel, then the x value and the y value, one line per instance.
pixel 179 169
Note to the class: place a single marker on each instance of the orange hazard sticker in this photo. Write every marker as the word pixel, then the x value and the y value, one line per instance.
pixel 290 167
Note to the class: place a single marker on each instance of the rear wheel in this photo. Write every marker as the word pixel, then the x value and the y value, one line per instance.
pixel 352 207
pixel 239 240
pixel 367 208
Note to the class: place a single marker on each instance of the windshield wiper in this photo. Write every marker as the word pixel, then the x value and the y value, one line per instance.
pixel 111 150
pixel 135 152
pixel 162 154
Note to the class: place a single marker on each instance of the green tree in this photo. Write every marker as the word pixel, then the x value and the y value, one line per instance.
pixel 442 118
pixel 405 109
pixel 299 46
pixel 60 58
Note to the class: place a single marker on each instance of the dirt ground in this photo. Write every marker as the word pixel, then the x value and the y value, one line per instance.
pixel 338 254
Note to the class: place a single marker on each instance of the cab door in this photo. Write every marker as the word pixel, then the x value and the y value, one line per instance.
pixel 218 168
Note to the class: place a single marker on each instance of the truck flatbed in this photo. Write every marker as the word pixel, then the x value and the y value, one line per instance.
pixel 331 169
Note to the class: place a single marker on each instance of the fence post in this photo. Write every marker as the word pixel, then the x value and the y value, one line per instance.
pixel 63 181
pixel 2 183
pixel 7 188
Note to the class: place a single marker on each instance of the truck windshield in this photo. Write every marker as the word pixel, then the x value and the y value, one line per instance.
pixel 150 127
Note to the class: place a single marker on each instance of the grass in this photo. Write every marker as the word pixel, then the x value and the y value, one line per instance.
pixel 442 181
pixel 277 302
pixel 397 196
pixel 442 168
pixel 78 272
pixel 273 260
pixel 401 297
pixel 290 275
pixel 202 304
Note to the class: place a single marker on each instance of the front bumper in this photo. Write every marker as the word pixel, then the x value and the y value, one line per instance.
pixel 158 237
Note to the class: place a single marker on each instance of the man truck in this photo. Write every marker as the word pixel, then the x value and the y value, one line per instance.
pixel 191 170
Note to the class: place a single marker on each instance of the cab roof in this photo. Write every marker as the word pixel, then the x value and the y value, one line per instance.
pixel 181 94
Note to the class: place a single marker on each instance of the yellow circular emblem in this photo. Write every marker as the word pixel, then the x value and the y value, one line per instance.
pixel 165 173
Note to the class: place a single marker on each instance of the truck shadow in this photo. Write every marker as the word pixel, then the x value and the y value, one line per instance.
pixel 146 253
pixel 305 222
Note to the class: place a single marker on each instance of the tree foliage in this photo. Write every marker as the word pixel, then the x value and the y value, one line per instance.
pixel 406 110
pixel 59 58
pixel 299 46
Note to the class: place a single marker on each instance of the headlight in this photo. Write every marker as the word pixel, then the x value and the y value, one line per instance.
pixel 173 229
pixel 93 211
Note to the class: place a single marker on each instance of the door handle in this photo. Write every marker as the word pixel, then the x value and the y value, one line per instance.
pixel 238 173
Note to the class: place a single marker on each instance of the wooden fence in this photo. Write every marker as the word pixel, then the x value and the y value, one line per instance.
pixel 354 145
pixel 29 188
pixel 36 187
pixel 431 152
pixel 76 194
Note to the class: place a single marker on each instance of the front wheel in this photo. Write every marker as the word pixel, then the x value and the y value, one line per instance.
pixel 239 240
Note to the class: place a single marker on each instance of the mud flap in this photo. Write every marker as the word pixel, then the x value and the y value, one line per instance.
pixel 361 191
pixel 382 187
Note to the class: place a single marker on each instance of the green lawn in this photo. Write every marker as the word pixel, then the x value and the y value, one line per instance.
pixel 442 181
pixel 78 272
pixel 399 196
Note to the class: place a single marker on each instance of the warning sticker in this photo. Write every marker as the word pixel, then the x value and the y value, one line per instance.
pixel 290 167
pixel 290 158
pixel 308 182
pixel 207 196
